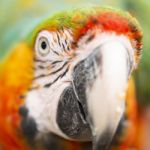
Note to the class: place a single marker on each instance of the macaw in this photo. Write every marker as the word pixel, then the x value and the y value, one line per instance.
pixel 71 78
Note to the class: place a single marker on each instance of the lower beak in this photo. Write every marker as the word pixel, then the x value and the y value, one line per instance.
pixel 103 77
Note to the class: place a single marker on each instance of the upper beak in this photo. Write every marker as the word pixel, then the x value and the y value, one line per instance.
pixel 100 87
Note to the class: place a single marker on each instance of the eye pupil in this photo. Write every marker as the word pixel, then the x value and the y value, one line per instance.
pixel 43 45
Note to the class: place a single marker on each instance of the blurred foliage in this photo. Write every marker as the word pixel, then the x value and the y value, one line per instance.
pixel 18 17
pixel 141 9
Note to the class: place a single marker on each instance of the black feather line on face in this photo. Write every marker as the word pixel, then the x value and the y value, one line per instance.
pixel 60 68
pixel 55 62
pixel 64 47
pixel 56 71
pixel 55 52
pixel 60 76
pixel 58 39
pixel 41 61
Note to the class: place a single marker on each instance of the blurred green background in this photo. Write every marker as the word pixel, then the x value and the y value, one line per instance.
pixel 18 17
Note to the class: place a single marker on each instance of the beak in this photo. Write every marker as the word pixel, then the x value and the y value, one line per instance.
pixel 100 82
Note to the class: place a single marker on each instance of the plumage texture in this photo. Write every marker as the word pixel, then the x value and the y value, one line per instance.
pixel 15 78
pixel 16 70
pixel 102 18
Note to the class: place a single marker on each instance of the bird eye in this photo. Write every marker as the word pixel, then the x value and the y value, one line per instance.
pixel 43 46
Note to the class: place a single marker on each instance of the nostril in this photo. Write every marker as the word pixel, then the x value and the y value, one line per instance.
pixel 29 128
pixel 23 111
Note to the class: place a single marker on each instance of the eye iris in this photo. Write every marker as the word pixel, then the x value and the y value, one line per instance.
pixel 43 45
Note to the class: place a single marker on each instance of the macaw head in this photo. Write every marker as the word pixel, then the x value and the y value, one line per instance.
pixel 81 64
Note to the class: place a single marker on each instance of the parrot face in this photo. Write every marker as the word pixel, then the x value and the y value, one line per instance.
pixel 81 62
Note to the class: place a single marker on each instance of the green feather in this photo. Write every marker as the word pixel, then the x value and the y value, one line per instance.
pixel 65 20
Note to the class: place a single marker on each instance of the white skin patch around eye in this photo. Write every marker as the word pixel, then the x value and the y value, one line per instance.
pixel 42 45
pixel 52 46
